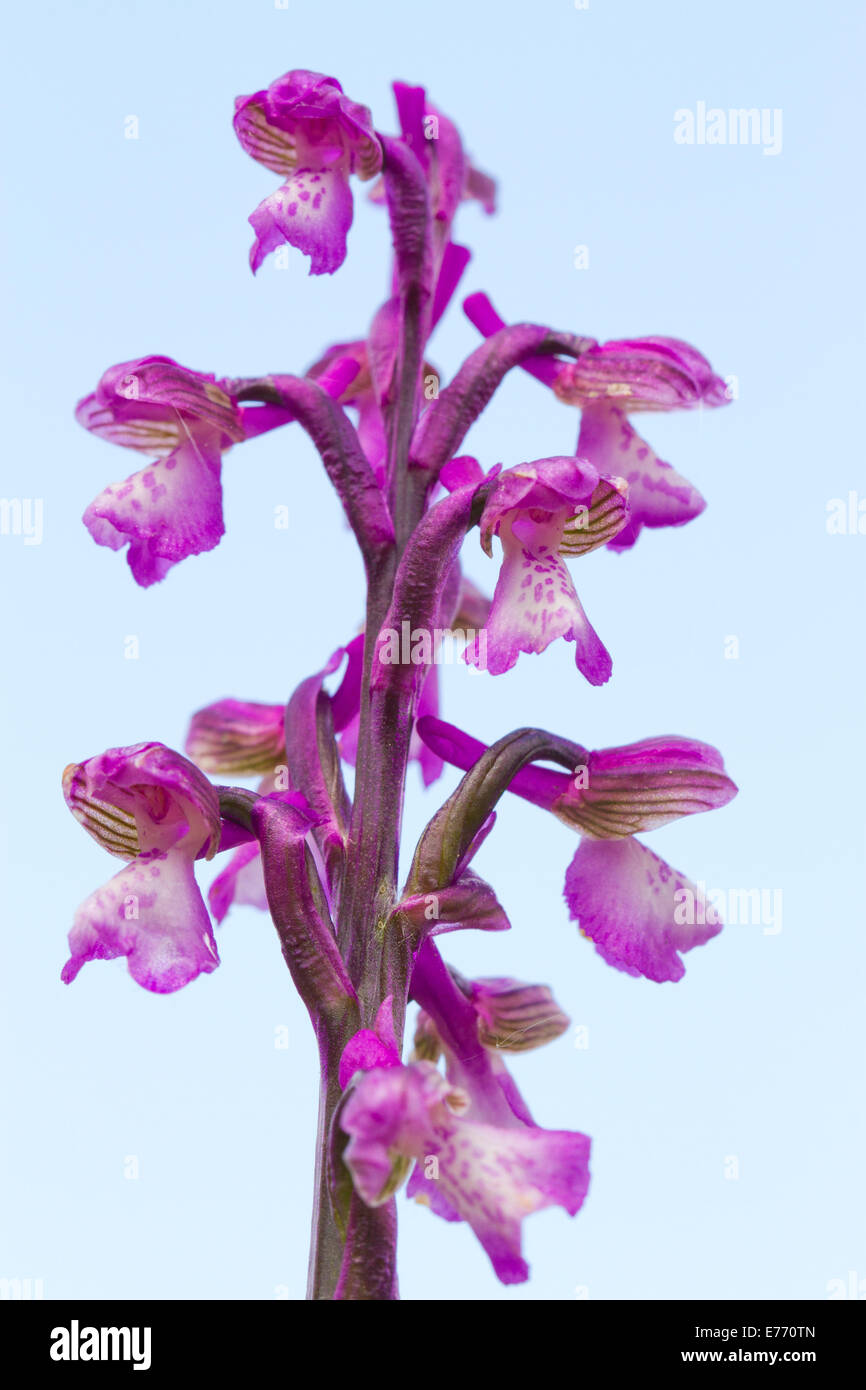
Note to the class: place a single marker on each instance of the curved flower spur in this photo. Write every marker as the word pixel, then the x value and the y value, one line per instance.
pixel 444 1116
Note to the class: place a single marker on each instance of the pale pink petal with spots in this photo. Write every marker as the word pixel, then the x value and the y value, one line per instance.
pixel 153 913
pixel 535 601
pixel 166 511
pixel 637 910
pixel 657 494
pixel 312 211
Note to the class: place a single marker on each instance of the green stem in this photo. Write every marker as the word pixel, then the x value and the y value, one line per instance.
pixel 326 1241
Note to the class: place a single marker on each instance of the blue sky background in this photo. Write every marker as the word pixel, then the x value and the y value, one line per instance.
pixel 117 248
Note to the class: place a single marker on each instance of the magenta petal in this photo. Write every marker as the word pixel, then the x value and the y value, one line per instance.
pixel 639 786
pixel 346 700
pixel 591 656
pixel 338 375
pixel 411 107
pixel 241 882
pixel 514 1016
pixel 482 315
pixel 303 117
pixel 364 1052
pixel 153 404
pixel 143 798
pixel 668 752
pixel 451 743
pixel 430 763
pixel 449 168
pixel 384 1025
pixel 643 786
pixel 467 902
pixel 474 845
pixel 153 913
pixel 513 1173
pixel 312 211
pixel 371 1047
pixel 231 835
pixel 480 187
pixel 166 511
pixel 454 261
pixel 237 736
pixel 644 374
pixel 348 740
pixel 553 484
pixel 260 419
pixel 540 785
pixel 371 433
pixel 428 1193
pixel 460 472
pixel 636 908
pixel 382 349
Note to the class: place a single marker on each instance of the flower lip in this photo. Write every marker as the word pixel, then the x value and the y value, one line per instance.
pixel 311 211
pixel 657 494
pixel 152 913
pixel 627 901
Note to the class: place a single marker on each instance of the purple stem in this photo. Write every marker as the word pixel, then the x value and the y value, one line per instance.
pixel 377 962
